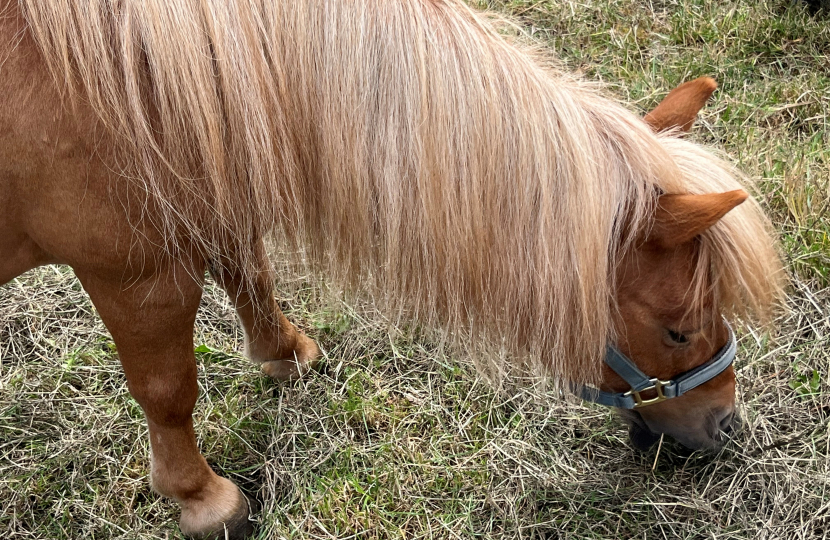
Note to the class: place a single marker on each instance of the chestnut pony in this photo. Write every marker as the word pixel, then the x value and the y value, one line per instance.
pixel 406 149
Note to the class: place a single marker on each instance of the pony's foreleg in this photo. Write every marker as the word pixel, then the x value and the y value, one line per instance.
pixel 282 350
pixel 152 323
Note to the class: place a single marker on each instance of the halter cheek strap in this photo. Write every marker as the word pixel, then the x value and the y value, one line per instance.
pixel 640 382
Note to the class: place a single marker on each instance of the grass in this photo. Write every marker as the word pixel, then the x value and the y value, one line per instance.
pixel 397 439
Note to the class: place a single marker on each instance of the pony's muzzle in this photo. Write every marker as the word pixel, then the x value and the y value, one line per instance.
pixel 712 434
pixel 725 424
pixel 718 428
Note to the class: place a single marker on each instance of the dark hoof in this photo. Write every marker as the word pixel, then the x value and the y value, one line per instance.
pixel 818 6
pixel 237 527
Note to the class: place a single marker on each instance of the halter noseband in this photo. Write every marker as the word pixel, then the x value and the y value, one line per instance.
pixel 640 382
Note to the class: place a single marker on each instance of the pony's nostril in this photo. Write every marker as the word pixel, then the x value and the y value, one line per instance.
pixel 725 423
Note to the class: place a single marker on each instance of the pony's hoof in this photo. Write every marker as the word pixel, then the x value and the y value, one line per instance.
pixel 306 358
pixel 235 526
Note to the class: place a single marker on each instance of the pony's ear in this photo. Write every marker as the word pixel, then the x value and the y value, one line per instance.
pixel 680 218
pixel 679 109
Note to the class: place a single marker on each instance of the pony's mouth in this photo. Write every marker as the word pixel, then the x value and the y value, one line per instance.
pixel 643 438
pixel 638 432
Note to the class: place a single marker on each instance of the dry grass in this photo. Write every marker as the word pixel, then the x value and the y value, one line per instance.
pixel 395 439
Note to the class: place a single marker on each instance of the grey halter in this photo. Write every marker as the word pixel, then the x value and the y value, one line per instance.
pixel 640 382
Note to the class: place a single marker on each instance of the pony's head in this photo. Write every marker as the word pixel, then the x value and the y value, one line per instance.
pixel 668 321
pixel 668 330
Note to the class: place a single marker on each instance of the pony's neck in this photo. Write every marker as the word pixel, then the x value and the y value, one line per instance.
pixel 467 182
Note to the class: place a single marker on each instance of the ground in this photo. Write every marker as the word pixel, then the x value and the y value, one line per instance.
pixel 397 439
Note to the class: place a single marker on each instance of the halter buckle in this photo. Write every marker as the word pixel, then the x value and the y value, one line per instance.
pixel 657 385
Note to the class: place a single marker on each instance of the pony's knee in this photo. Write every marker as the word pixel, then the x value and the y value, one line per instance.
pixel 167 398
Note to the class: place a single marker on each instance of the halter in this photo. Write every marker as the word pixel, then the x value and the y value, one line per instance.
pixel 640 382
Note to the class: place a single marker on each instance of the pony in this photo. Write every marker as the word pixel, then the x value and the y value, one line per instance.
pixel 406 149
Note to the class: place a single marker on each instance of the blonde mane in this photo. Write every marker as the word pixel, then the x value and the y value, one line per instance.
pixel 402 147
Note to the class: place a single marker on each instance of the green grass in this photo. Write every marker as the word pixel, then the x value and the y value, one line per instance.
pixel 395 438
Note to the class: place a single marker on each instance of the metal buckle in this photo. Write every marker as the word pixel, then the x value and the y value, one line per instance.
pixel 656 384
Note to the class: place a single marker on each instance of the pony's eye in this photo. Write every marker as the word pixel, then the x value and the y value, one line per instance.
pixel 678 338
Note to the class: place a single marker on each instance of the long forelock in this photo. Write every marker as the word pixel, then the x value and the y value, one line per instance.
pixel 738 263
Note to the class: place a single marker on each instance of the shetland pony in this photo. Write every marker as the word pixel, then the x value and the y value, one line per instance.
pixel 406 149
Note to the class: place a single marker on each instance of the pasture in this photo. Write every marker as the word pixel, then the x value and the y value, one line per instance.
pixel 397 438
